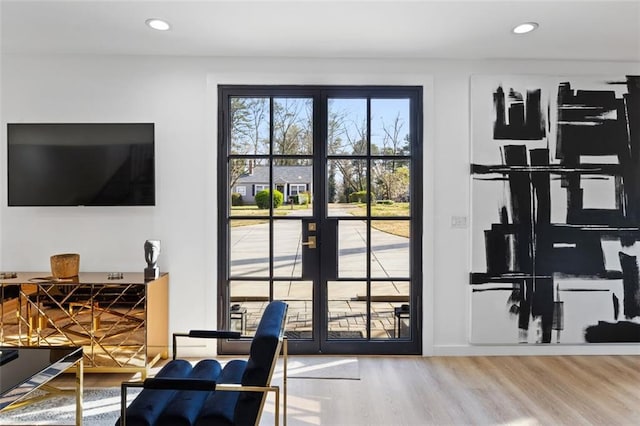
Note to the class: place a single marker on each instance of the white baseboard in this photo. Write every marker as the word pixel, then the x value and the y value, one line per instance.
pixel 536 349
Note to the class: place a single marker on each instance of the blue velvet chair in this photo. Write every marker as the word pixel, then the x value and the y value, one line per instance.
pixel 207 393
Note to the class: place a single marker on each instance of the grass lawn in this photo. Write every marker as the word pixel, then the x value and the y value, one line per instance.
pixel 395 209
pixel 395 227
pixel 253 210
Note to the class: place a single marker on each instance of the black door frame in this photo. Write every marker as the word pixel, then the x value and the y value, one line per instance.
pixel 320 95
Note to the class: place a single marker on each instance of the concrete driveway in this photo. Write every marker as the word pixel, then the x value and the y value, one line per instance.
pixel 346 300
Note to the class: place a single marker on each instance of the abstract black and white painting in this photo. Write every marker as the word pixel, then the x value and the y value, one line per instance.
pixel 555 209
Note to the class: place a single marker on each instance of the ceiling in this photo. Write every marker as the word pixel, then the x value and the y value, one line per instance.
pixel 569 30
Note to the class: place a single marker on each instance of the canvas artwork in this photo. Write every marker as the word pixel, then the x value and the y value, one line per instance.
pixel 555 209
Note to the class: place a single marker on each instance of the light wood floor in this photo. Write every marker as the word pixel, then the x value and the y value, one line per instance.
pixel 545 390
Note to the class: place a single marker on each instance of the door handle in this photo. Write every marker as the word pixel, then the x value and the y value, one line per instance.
pixel 311 243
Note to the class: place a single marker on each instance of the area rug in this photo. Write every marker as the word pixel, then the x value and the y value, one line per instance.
pixel 101 408
pixel 321 367
pixel 102 405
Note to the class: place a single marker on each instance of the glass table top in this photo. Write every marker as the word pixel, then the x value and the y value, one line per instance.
pixel 25 369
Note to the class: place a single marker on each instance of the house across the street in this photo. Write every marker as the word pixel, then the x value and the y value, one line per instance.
pixel 290 180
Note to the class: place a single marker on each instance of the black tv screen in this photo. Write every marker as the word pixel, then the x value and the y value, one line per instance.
pixel 81 164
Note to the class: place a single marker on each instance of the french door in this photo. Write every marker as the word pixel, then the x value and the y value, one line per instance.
pixel 320 197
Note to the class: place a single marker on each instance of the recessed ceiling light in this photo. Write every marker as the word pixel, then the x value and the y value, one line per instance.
pixel 524 28
pixel 158 24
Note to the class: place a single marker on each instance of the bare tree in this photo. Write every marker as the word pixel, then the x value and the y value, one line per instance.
pixel 395 141
pixel 392 139
pixel 354 172
pixel 336 130
pixel 292 127
pixel 248 117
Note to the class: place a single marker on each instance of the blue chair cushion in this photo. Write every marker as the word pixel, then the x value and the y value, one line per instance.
pixel 184 406
pixel 219 408
pixel 149 404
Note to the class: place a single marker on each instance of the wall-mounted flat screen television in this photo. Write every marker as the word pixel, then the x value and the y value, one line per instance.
pixel 81 164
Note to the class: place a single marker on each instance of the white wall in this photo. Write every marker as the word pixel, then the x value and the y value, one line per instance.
pixel 142 89
pixel 2 163
pixel 179 95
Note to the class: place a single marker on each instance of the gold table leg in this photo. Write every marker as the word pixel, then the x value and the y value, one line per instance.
pixel 79 390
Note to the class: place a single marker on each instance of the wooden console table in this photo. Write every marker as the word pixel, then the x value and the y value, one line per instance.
pixel 121 324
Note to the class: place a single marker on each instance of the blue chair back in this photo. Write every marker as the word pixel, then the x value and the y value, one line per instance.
pixel 263 356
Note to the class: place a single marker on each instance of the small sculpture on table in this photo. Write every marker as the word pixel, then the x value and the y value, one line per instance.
pixel 151 253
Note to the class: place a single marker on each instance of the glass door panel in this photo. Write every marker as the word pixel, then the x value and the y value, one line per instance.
pixel 293 178
pixel 352 248
pixel 247 300
pixel 249 248
pixel 391 180
pixel 299 296
pixel 390 249
pixel 347 187
pixel 292 126
pixel 347 313
pixel 390 309
pixel 287 253
pixel 347 126
pixel 390 127
pixel 249 126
